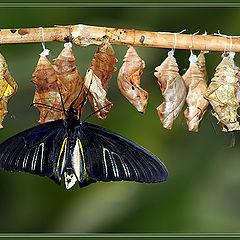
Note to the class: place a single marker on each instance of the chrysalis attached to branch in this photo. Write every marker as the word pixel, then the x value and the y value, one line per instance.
pixel 98 76
pixel 47 91
pixel 7 88
pixel 173 91
pixel 222 94
pixel 129 80
pixel 196 83
pixel 68 76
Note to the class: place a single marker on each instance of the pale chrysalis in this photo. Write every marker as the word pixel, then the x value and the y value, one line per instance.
pixel 222 94
pixel 196 82
pixel 173 91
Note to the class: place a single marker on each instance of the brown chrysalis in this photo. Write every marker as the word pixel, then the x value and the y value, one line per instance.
pixel 47 89
pixel 129 80
pixel 68 76
pixel 98 76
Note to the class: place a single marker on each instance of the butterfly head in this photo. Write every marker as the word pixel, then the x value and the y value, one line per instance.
pixel 72 112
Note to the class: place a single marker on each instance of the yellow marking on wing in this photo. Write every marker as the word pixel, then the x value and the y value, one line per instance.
pixel 59 157
pixel 85 176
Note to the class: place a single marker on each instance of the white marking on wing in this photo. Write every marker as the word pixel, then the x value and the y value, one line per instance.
pixel 76 160
pixel 134 168
pixel 35 156
pixel 114 164
pixel 125 167
pixel 41 161
pixel 105 161
pixel 25 160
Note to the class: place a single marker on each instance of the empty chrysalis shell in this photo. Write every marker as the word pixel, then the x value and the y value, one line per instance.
pixel 196 83
pixel 173 91
pixel 129 80
pixel 47 91
pixel 68 76
pixel 7 88
pixel 222 94
pixel 98 76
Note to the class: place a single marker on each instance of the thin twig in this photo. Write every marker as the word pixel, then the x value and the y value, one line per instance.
pixel 85 35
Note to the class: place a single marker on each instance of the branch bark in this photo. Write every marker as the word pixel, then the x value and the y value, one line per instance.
pixel 85 35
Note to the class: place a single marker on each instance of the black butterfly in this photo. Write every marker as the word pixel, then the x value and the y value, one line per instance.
pixel 81 152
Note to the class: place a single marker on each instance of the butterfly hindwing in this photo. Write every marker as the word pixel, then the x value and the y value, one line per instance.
pixel 111 157
pixel 34 150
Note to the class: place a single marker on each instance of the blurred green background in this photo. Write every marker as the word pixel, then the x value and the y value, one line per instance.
pixel 203 190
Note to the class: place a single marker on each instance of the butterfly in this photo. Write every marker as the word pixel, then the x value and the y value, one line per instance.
pixel 80 152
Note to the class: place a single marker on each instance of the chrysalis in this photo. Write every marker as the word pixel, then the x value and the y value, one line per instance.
pixel 47 91
pixel 68 76
pixel 7 88
pixel 222 94
pixel 129 80
pixel 173 91
pixel 196 83
pixel 98 76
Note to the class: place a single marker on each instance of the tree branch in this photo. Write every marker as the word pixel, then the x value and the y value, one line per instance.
pixel 85 35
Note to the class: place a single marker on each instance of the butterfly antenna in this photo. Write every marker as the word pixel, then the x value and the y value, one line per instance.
pixel 61 100
pixel 45 105
pixel 96 112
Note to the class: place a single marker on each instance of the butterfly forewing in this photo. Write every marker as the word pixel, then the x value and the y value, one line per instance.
pixel 35 150
pixel 111 157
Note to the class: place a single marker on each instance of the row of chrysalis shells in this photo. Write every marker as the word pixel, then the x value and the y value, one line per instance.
pixel 222 93
pixel 60 84
pixel 62 80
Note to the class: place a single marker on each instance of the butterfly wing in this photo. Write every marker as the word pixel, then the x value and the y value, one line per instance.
pixel 35 150
pixel 111 157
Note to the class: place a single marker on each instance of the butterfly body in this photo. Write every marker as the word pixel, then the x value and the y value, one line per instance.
pixel 79 151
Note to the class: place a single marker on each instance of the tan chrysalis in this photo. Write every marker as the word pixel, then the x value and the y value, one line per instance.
pixel 222 93
pixel 196 82
pixel 47 91
pixel 173 91
pixel 98 76
pixel 129 80
pixel 68 76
